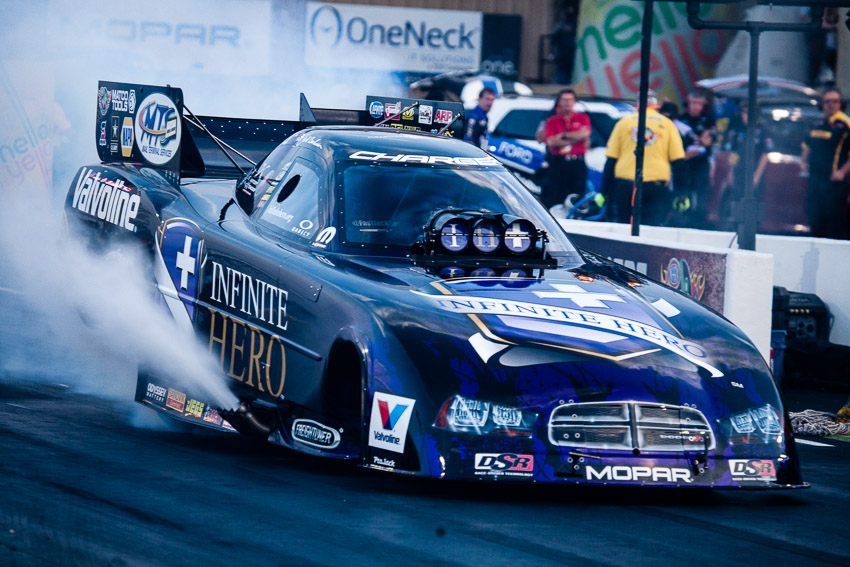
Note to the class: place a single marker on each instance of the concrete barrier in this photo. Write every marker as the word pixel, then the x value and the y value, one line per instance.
pixel 809 265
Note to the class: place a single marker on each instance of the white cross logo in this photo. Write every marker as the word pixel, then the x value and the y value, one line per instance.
pixel 185 263
pixel 579 296
pixel 516 235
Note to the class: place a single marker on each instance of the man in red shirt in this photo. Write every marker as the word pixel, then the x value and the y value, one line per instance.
pixel 567 136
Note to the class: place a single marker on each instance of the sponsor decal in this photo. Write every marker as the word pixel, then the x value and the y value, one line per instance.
pixel 108 200
pixel 157 129
pixel 325 237
pixel 408 114
pixel 513 151
pixel 409 158
pixel 391 110
pixel 679 275
pixel 194 408
pixel 443 116
pixel 104 96
pixel 426 114
pixel 253 297
pixel 176 400
pixel 212 416
pixel 121 101
pixel 102 140
pixel 508 464
pixel 155 393
pixel 315 434
pixel 383 462
pixel 607 333
pixel 752 469
pixel 131 102
pixel 113 142
pixel 181 251
pixel 245 353
pixel 390 418
pixel 376 109
pixel 127 137
pixel 638 473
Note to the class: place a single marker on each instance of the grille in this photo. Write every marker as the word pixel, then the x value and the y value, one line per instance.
pixel 630 425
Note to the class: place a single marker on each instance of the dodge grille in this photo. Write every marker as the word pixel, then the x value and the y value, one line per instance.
pixel 630 425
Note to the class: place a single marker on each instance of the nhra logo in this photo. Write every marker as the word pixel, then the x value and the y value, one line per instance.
pixel 751 469
pixel 504 463
pixel 158 129
pixel 390 418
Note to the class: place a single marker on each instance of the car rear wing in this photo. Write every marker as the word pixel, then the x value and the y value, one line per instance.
pixel 150 126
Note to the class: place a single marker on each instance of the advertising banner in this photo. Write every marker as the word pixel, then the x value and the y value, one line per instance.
pixel 608 49
pixel 701 275
pixel 383 38
pixel 232 38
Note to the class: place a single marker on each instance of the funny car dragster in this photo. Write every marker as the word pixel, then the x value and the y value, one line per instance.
pixel 397 298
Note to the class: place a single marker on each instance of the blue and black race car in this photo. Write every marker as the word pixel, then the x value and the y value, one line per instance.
pixel 397 298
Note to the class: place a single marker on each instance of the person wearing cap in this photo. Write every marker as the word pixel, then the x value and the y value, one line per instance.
pixel 699 117
pixel 567 136
pixel 825 157
pixel 663 151
pixel 475 129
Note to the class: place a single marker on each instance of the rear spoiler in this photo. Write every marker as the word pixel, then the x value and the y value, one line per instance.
pixel 149 125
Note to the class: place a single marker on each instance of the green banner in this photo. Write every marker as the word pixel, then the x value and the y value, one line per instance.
pixel 608 49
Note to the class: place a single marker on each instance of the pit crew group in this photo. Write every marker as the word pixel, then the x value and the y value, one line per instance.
pixel 677 160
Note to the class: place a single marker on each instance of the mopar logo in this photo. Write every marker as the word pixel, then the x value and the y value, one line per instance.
pixel 327 28
pixel 638 474
pixel 176 34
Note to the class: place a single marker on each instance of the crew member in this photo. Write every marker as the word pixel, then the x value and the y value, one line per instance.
pixel 662 151
pixel 825 153
pixel 567 135
pixel 475 130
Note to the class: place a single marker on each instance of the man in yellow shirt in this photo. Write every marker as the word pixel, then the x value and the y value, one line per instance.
pixel 663 150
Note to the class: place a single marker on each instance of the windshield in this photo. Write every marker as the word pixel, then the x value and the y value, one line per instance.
pixel 388 205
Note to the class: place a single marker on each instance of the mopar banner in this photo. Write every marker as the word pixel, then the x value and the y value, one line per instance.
pixel 383 38
pixel 422 115
pixel 608 49
pixel 698 274
pixel 140 124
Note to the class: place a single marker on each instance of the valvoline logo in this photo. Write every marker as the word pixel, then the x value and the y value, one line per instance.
pixel 181 248
pixel 390 419
pixel 591 317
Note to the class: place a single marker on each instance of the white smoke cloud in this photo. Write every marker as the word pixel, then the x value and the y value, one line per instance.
pixel 80 318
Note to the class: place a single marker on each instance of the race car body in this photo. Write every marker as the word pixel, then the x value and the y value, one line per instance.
pixel 399 299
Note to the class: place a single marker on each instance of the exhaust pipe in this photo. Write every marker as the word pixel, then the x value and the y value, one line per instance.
pixel 244 421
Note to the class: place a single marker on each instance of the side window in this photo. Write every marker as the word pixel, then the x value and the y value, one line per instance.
pixel 255 189
pixel 293 207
